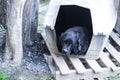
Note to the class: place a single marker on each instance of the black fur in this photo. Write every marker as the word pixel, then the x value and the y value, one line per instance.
pixel 74 40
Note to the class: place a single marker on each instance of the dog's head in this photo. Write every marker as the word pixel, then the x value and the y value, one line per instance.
pixel 68 41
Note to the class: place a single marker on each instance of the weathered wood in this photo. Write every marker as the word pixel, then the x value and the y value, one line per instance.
pixel 85 76
pixel 80 68
pixel 100 79
pixel 115 37
pixel 108 62
pixel 95 66
pixel 63 69
pixel 113 52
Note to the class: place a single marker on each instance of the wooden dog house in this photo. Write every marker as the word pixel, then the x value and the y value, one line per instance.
pixel 99 16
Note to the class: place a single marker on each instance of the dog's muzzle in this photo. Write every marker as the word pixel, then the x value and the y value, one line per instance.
pixel 65 51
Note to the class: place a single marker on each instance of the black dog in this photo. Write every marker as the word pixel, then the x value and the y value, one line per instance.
pixel 74 40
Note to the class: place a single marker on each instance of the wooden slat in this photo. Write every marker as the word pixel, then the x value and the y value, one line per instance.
pixel 60 62
pixel 90 78
pixel 113 51
pixel 94 65
pixel 50 40
pixel 115 37
pixel 108 62
pixel 78 65
pixel 101 79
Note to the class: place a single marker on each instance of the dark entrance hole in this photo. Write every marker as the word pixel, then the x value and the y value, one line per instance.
pixel 72 15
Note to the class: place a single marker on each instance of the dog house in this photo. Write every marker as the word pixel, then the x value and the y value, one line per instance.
pixel 99 16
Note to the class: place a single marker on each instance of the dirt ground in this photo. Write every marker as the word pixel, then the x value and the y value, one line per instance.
pixel 34 66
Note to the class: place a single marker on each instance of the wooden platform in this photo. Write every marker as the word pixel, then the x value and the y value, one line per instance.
pixel 108 64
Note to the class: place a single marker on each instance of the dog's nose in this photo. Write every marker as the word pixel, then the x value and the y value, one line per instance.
pixel 64 51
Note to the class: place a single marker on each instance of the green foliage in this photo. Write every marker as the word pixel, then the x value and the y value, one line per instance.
pixel 45 2
pixel 3 76
pixel 44 77
pixel 117 77
pixel 2 30
pixel 40 19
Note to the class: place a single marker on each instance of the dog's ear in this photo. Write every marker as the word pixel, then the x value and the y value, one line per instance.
pixel 85 48
pixel 79 45
pixel 78 41
pixel 77 35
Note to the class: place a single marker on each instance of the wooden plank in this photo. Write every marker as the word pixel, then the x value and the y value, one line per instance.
pixel 90 78
pixel 108 62
pixel 60 62
pixel 50 40
pixel 101 79
pixel 95 66
pixel 113 51
pixel 115 37
pixel 78 65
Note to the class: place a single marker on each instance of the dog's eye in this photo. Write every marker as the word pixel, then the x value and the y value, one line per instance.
pixel 68 42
